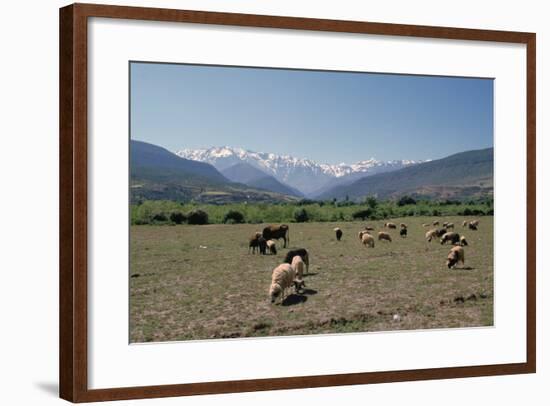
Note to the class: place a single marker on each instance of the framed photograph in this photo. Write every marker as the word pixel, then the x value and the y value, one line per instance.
pixel 255 202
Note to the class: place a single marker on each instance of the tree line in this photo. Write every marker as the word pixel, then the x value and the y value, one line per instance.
pixel 165 212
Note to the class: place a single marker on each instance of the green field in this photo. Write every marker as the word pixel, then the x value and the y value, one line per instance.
pixel 199 282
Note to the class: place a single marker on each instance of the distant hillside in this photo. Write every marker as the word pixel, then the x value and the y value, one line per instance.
pixel 144 155
pixel 464 175
pixel 157 174
pixel 254 177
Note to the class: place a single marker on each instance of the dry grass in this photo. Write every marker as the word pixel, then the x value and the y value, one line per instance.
pixel 197 282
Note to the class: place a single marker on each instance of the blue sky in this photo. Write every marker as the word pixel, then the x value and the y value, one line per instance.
pixel 326 116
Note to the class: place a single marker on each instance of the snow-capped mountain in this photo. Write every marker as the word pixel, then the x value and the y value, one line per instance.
pixel 308 176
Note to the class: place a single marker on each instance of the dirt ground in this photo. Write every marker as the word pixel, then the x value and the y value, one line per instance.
pixel 200 282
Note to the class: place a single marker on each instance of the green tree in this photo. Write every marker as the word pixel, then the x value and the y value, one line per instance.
pixel 233 216
pixel 371 202
pixel 301 215
pixel 177 217
pixel 362 214
pixel 197 217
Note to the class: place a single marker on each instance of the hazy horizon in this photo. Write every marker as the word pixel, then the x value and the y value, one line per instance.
pixel 324 116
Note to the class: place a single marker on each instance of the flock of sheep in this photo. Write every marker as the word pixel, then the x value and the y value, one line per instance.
pixel 290 273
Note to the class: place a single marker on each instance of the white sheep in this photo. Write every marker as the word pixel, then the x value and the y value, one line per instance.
pixel 282 278
pixel 298 266
pixel 367 240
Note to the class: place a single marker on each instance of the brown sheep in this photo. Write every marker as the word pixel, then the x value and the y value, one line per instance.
pixel 403 232
pixel 463 241
pixel 390 225
pixel 384 236
pixel 368 228
pixel 431 235
pixel 368 240
pixel 339 233
pixel 445 224
pixel 453 238
pixel 282 278
pixel 440 231
pixel 435 223
pixel 472 226
pixel 403 225
pixel 253 242
pixel 456 255
pixel 475 222
pixel 449 226
pixel 262 245
pixel 464 223
pixel 271 247
pixel 360 234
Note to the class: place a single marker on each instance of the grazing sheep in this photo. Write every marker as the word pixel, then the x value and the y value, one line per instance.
pixel 431 235
pixel 302 252
pixel 253 242
pixel 403 225
pixel 455 255
pixel 463 241
pixel 368 240
pixel 403 232
pixel 390 225
pixel 384 236
pixel 435 223
pixel 472 226
pixel 360 234
pixel 454 238
pixel 426 225
pixel 338 232
pixel 298 266
pixel 262 244
pixel 475 222
pixel 282 278
pixel 449 226
pixel 445 224
pixel 440 231
pixel 368 228
pixel 464 223
pixel 271 247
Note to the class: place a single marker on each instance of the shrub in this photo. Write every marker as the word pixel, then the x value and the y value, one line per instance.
pixel 467 212
pixel 490 212
pixel 436 212
pixel 404 200
pixel 159 217
pixel 234 217
pixel 362 214
pixel 301 216
pixel 177 217
pixel 197 217
pixel 371 202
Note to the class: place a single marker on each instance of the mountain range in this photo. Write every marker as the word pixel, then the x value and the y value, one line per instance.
pixel 158 174
pixel 463 175
pixel 229 175
pixel 304 176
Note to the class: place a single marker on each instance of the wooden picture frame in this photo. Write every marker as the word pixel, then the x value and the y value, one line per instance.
pixel 74 201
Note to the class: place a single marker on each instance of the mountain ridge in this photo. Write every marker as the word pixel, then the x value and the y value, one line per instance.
pixel 305 175
pixel 464 174
pixel 158 174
